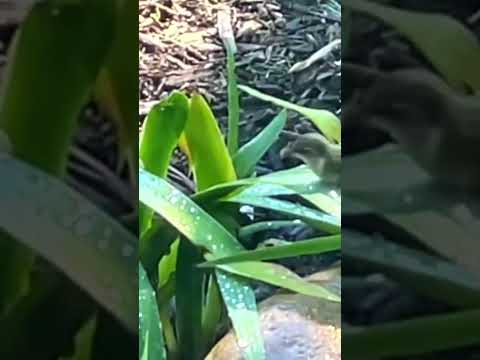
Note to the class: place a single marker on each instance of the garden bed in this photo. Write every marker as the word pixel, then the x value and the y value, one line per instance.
pixel 180 50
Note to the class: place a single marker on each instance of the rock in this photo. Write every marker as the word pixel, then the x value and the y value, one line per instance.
pixel 295 326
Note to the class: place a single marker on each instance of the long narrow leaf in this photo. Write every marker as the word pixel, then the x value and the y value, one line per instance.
pixel 324 120
pixel 211 161
pixel 305 247
pixel 451 48
pixel 204 231
pixel 41 132
pixel 242 310
pixel 248 156
pixel 161 131
pixel 279 276
pixel 86 244
pixel 151 344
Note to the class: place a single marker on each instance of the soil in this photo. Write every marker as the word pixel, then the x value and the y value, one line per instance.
pixel 180 50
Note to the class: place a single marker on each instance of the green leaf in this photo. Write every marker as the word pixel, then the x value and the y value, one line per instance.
pixel 41 132
pixel 248 156
pixel 205 232
pixel 84 342
pixel 321 198
pixel 425 274
pixel 189 301
pixel 305 247
pixel 452 49
pixel 324 120
pixel 117 85
pixel 211 161
pixel 94 250
pixel 187 217
pixel 399 339
pixel 279 276
pixel 431 215
pixel 314 217
pixel 151 337
pixel 161 131
pixel 301 180
pixel 47 36
pixel 242 310
pixel 233 104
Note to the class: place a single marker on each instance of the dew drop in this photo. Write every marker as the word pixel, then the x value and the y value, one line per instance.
pixel 127 250
pixel 103 244
pixel 83 226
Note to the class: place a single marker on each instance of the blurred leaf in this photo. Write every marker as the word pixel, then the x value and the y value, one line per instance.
pixel 445 221
pixel 400 338
pixel 94 250
pixel 248 156
pixel 452 49
pixel 211 161
pixel 41 132
pixel 151 345
pixel 279 276
pixel 47 36
pixel 84 342
pixel 324 120
pixel 117 84
pixel 425 274
pixel 313 246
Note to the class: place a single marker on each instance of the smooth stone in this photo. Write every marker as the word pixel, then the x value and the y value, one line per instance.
pixel 295 326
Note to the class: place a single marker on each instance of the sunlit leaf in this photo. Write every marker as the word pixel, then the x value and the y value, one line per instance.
pixel 305 247
pixel 318 219
pixel 324 120
pixel 187 217
pixel 161 130
pixel 211 161
pixel 279 276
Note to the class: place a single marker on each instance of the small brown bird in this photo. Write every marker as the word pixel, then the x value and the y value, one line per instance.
pixel 438 127
pixel 323 157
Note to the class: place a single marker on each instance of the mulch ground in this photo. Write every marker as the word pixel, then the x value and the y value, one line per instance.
pixel 180 50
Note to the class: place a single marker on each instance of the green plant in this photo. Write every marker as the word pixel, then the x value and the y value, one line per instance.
pixel 73 39
pixel 190 249
pixel 190 245
pixel 206 223
pixel 419 208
